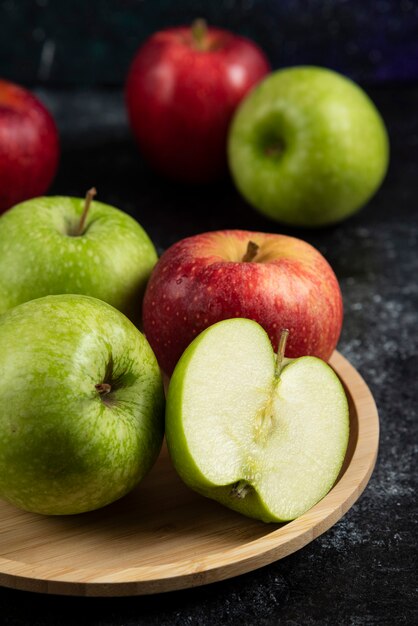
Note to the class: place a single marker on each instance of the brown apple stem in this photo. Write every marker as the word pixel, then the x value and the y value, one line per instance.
pixel 280 351
pixel 199 31
pixel 251 253
pixel 89 197
pixel 103 388
pixel 275 149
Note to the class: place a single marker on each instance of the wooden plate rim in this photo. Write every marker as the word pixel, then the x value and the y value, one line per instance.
pixel 280 542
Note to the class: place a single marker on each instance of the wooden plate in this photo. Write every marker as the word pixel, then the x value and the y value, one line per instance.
pixel 162 536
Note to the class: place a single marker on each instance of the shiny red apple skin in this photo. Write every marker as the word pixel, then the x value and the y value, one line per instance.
pixel 181 98
pixel 201 280
pixel 29 146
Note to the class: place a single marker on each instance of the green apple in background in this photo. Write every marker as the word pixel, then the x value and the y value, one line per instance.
pixel 307 147
pixel 53 245
pixel 263 435
pixel 82 405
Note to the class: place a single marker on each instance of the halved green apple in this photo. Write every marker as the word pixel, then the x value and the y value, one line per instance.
pixel 261 434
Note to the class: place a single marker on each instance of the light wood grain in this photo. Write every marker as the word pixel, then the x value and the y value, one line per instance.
pixel 162 536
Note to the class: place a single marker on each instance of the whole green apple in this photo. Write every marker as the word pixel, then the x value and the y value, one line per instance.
pixel 263 435
pixel 307 147
pixel 81 412
pixel 50 245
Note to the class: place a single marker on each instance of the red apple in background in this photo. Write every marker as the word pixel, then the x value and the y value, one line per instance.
pixel 29 148
pixel 278 281
pixel 182 89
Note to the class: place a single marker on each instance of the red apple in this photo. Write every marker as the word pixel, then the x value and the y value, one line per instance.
pixel 182 89
pixel 29 148
pixel 278 281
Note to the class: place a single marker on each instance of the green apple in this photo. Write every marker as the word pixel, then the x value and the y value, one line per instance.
pixel 52 245
pixel 81 412
pixel 307 147
pixel 261 434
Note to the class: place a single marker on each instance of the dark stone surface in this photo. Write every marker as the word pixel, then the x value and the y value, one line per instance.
pixel 361 572
pixel 91 43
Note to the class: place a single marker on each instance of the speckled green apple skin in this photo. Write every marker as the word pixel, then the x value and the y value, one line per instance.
pixel 64 448
pixel 307 147
pixel 112 259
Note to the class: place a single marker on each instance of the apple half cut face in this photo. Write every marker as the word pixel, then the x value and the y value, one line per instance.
pixel 263 435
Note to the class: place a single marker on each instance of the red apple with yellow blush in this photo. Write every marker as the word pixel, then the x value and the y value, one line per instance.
pixel 276 280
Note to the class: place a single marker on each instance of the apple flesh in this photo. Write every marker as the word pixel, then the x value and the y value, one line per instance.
pixel 29 146
pixel 279 281
pixel 307 147
pixel 81 416
pixel 264 436
pixel 181 92
pixel 43 252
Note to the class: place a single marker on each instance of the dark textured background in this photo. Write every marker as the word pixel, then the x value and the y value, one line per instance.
pixel 361 572
pixel 91 42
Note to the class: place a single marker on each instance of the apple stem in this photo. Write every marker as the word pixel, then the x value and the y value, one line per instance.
pixel 280 351
pixel 251 253
pixel 87 202
pixel 240 489
pixel 103 388
pixel 275 149
pixel 199 31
